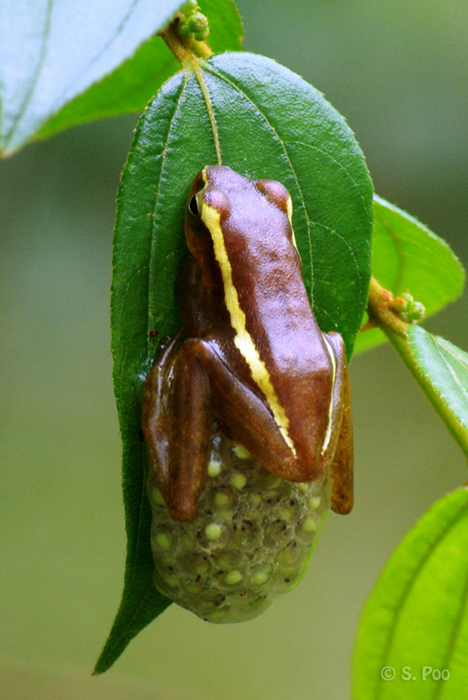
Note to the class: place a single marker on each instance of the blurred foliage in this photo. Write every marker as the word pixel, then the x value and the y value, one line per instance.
pixel 50 54
pixel 414 624
pixel 398 72
pixel 132 84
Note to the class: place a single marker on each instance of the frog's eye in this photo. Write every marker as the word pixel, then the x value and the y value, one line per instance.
pixel 193 206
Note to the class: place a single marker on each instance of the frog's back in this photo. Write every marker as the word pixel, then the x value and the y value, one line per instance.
pixel 275 329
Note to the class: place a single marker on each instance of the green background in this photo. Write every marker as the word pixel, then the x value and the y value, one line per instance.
pixel 397 71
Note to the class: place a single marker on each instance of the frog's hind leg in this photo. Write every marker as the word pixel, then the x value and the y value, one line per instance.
pixel 342 465
pixel 246 416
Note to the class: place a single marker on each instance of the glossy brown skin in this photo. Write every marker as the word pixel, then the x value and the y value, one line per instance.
pixel 201 375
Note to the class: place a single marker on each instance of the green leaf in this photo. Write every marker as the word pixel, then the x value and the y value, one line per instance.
pixel 443 372
pixel 407 256
pixel 416 619
pixel 267 122
pixel 52 52
pixel 133 83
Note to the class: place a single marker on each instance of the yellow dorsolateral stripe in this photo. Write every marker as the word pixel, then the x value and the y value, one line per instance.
pixel 243 340
pixel 330 407
pixel 289 210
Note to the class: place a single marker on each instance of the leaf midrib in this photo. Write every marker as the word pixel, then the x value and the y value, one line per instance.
pixel 209 68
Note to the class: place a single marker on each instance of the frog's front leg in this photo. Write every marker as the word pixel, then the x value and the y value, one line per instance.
pixel 155 408
pixel 177 423
pixel 188 386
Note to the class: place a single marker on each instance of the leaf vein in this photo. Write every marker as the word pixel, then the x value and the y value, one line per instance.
pixel 325 313
pixel 450 352
pixel 157 194
pixel 347 245
pixel 452 374
pixel 340 166
pixel 35 78
pixel 407 590
pixel 118 30
pixel 454 635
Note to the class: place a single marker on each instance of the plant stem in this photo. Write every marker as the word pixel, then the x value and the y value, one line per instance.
pixel 397 330
pixel 380 311
pixel 189 54
pixel 186 51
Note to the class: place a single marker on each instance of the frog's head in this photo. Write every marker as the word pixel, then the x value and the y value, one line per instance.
pixel 226 211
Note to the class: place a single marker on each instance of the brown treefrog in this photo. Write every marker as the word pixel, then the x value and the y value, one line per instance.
pixel 249 354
